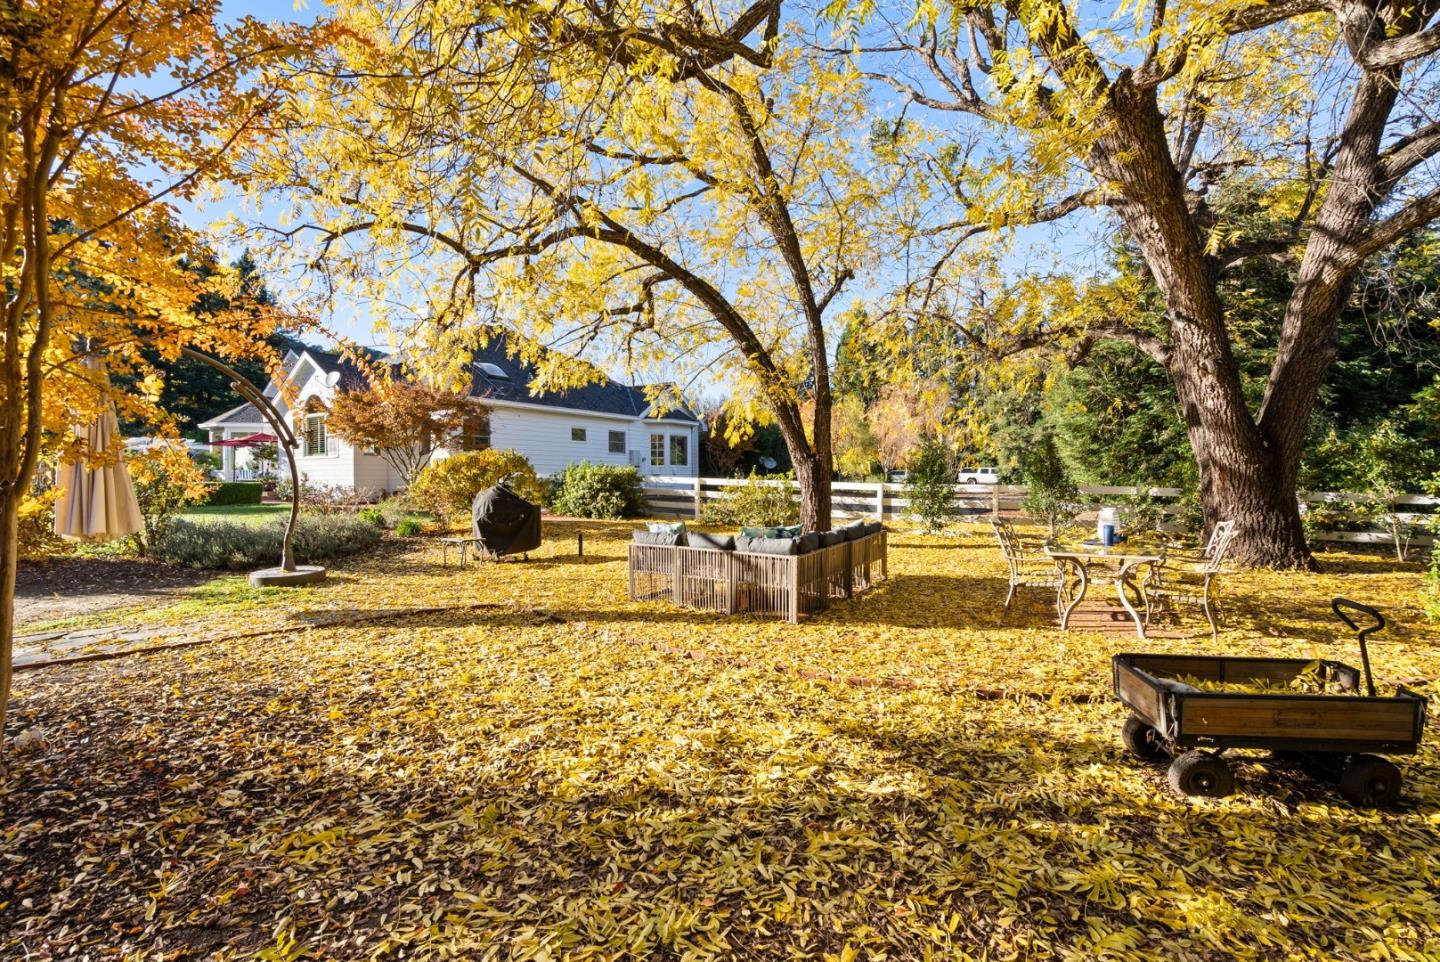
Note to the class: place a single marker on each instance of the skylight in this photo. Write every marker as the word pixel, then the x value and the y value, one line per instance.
pixel 492 370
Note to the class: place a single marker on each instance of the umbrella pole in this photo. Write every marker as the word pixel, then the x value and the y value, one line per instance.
pixel 288 573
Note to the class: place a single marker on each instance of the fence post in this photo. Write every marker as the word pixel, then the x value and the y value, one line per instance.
pixel 880 501
pixel 698 498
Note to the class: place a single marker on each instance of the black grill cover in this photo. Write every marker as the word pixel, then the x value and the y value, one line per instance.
pixel 503 522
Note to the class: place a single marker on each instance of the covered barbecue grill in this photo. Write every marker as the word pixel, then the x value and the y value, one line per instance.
pixel 504 523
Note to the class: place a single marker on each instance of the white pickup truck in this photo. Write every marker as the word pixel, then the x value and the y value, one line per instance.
pixel 980 476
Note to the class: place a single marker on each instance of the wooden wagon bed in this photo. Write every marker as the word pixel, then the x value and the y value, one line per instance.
pixel 783 586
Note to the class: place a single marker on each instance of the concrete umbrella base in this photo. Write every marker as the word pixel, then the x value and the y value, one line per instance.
pixel 280 578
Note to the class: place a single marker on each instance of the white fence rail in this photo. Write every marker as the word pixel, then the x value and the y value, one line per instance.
pixel 683 497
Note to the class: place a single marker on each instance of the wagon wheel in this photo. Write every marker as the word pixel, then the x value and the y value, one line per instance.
pixel 1203 774
pixel 1141 740
pixel 1370 781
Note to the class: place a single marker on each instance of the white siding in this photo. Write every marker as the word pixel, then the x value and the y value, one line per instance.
pixel 640 433
pixel 337 466
pixel 545 437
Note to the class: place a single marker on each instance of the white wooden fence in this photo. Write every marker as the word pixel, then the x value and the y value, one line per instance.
pixel 683 497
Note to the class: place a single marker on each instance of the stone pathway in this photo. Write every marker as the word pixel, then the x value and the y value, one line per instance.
pixel 46 646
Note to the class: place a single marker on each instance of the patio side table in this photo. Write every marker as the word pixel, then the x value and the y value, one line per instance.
pixel 464 544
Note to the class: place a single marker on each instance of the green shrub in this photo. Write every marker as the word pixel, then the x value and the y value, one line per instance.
pixel 226 545
pixel 372 516
pixel 930 485
pixel 408 527
pixel 609 491
pixel 447 487
pixel 166 481
pixel 394 510
pixel 1049 491
pixel 759 502
pixel 1141 514
pixel 233 492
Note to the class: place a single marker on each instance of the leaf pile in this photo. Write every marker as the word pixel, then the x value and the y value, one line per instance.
pixel 484 783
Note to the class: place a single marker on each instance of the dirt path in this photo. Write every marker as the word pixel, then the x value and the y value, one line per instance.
pixel 63 588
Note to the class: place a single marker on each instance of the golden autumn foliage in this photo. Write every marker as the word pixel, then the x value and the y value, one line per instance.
pixel 111 111
pixel 1202 135
pixel 447 488
pixel 644 183
pixel 540 769
pixel 405 421
pixel 167 480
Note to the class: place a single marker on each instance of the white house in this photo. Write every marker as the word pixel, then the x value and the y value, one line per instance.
pixel 605 423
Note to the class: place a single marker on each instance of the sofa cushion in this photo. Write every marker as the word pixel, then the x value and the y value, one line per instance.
pixel 663 539
pixel 790 531
pixel 666 527
pixel 829 539
pixel 768 545
pixel 874 527
pixel 718 542
pixel 809 542
pixel 760 531
pixel 854 531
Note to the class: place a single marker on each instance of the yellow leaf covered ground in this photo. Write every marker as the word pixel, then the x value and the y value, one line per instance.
pixel 569 775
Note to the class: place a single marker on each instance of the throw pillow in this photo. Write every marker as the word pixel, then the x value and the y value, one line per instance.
pixel 717 542
pixel 768 545
pixel 663 539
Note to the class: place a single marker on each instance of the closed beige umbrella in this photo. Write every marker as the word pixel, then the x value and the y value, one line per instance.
pixel 97 502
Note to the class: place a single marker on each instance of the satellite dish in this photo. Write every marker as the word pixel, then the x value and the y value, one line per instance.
pixel 332 379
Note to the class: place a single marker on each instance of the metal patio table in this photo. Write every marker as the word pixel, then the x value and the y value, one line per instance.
pixel 1074 563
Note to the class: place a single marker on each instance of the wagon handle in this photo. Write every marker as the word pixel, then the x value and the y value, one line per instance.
pixel 1337 605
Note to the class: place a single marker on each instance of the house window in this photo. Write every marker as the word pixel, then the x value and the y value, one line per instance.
pixel 577 434
pixel 617 442
pixel 315 435
pixel 657 449
pixel 474 433
pixel 679 450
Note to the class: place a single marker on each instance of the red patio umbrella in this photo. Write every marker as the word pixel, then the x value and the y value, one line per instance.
pixel 248 441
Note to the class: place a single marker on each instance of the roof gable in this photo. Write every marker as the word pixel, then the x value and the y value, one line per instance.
pixel 495 375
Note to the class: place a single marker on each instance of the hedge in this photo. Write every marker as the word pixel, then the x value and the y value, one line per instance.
pixel 234 492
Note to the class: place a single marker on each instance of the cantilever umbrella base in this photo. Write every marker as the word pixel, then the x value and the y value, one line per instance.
pixel 280 578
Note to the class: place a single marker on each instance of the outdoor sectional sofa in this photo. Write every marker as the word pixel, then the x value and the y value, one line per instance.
pixel 782 577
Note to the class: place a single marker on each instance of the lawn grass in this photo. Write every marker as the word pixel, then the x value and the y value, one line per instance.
pixel 226 594
pixel 238 513
pixel 542 769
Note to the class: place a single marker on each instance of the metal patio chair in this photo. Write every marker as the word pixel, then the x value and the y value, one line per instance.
pixel 1029 566
pixel 1187 577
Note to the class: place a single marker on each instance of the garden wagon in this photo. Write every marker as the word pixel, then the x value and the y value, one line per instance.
pixel 1329 734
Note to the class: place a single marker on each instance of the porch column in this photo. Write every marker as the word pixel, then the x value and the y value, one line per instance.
pixel 228 460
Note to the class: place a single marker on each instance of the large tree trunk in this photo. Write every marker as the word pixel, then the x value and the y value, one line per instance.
pixel 1243 477
pixel 814 475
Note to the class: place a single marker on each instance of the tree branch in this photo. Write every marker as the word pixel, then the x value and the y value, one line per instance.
pixel 1407 153
pixel 835 287
pixel 1399 50
pixel 1115 330
pixel 1413 215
